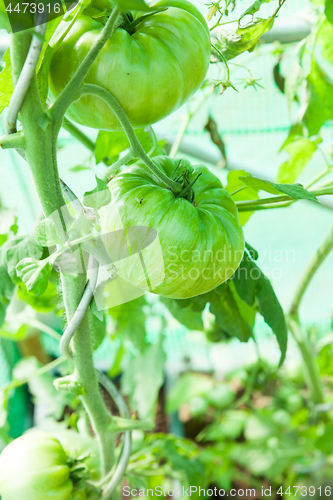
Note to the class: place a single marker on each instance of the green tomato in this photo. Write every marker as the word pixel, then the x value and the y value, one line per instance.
pixel 34 467
pixel 198 406
pixel 220 396
pixel 151 72
pixel 188 248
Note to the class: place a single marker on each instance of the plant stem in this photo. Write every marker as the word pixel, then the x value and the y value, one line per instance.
pixel 248 205
pixel 313 265
pixel 137 149
pixel 42 158
pixel 12 141
pixel 117 164
pixel 310 364
pixel 303 343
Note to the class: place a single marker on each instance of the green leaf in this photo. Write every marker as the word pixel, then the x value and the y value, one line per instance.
pixel 144 377
pixel 45 302
pixel 130 320
pixel 78 168
pixel 234 183
pixel 325 442
pixel 329 10
pixel 4 21
pixel 109 145
pixel 98 197
pixel 253 9
pixel 8 225
pixel 252 285
pixel 296 191
pixel 320 106
pixel 301 151
pixel 229 425
pixel 41 388
pixel 46 233
pixel 18 249
pixel 11 252
pixel 6 82
pixel 244 38
pixel 252 251
pixel 184 313
pixel 234 317
pixel 35 274
pixel 324 39
pixel 187 387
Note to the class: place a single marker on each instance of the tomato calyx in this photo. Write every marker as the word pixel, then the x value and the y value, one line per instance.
pixel 129 24
pixel 183 178
pixel 80 474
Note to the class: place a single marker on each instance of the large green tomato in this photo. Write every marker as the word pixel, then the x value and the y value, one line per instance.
pixel 168 245
pixel 34 467
pixel 151 72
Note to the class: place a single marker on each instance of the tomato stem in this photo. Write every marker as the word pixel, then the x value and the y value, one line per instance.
pixel 300 336
pixel 276 201
pixel 41 154
pixel 137 149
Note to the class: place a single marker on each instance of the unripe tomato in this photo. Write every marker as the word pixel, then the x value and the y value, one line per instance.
pixel 179 248
pixel 151 71
pixel 34 467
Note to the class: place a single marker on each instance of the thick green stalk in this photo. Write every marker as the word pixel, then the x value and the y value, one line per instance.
pixel 137 149
pixel 40 152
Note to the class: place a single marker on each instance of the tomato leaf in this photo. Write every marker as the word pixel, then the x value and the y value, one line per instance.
pixel 35 274
pixel 144 377
pixel 4 20
pixel 45 302
pixel 233 185
pixel 320 105
pixel 46 233
pixel 252 251
pixel 244 38
pixel 6 83
pixel 296 191
pixel 109 145
pixel 130 319
pixel 41 388
pixel 301 151
pixel 184 313
pixel 234 317
pixel 252 285
pixel 17 249
pixel 329 10
pixel 98 197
